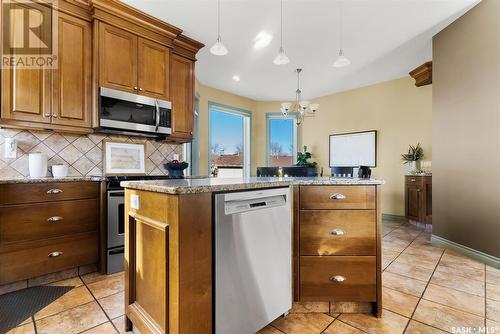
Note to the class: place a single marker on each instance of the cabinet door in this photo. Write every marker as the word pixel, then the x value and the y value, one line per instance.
pixel 413 199
pixel 153 69
pixel 117 58
pixel 26 93
pixel 182 78
pixel 72 81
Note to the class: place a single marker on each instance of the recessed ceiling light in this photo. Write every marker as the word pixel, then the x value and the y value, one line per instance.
pixel 262 40
pixel 236 78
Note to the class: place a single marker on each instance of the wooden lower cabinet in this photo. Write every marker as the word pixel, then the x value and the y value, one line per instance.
pixel 47 227
pixel 168 263
pixel 418 198
pixel 337 251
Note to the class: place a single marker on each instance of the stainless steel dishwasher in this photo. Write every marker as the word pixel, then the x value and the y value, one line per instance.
pixel 253 259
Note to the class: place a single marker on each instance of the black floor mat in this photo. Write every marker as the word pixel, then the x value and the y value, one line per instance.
pixel 17 306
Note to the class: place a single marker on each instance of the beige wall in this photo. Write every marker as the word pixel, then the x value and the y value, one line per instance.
pixel 466 130
pixel 399 111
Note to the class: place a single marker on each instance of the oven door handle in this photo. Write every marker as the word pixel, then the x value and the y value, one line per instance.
pixel 157 108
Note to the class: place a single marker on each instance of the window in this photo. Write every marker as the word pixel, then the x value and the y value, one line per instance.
pixel 282 139
pixel 229 141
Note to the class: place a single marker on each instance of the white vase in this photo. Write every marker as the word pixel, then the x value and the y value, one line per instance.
pixel 37 165
pixel 413 167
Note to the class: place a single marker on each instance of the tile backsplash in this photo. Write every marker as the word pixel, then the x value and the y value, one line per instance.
pixel 82 153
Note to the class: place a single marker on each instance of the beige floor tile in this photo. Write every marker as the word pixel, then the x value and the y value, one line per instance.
pixel 269 330
pixel 423 274
pixel 492 275
pixel 398 302
pixel 96 276
pixel 495 326
pixel 23 329
pixel 493 291
pixel 394 245
pixel 74 282
pixel 72 321
pixel 388 256
pixel 420 250
pixel 420 261
pixel 120 324
pixel 350 307
pixel 310 307
pixel 75 297
pixel 415 327
pixel 339 327
pixel 390 323
pixel 106 286
pixel 303 323
pixel 403 284
pixel 444 317
pixel 456 259
pixel 105 328
pixel 493 310
pixel 464 284
pixel 113 305
pixel 454 298
pixel 452 271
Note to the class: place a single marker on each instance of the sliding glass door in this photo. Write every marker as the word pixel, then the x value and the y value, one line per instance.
pixel 229 141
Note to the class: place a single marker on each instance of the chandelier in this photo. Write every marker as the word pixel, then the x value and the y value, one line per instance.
pixel 302 108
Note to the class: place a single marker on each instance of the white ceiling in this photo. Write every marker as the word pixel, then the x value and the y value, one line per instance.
pixel 384 39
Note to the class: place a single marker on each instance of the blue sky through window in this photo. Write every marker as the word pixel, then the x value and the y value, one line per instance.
pixel 226 132
pixel 281 133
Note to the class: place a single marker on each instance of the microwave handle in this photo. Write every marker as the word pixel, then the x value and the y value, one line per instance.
pixel 157 108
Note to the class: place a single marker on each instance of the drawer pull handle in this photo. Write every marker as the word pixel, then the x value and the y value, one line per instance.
pixel 54 191
pixel 337 279
pixel 337 231
pixel 55 254
pixel 338 196
pixel 413 180
pixel 54 219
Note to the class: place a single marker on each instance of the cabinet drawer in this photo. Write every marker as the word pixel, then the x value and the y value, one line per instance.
pixel 47 192
pixel 47 220
pixel 337 197
pixel 339 278
pixel 415 180
pixel 337 232
pixel 43 259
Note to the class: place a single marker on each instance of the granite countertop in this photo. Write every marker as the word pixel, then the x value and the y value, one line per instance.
pixel 52 179
pixel 419 174
pixel 192 186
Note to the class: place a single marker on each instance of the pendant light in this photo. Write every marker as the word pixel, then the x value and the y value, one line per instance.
pixel 281 58
pixel 218 48
pixel 341 61
pixel 303 108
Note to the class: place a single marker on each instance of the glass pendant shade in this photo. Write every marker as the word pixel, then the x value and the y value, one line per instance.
pixel 341 60
pixel 281 58
pixel 218 48
pixel 314 107
pixel 304 104
pixel 285 108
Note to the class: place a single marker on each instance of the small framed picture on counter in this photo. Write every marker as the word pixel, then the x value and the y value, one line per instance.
pixel 120 158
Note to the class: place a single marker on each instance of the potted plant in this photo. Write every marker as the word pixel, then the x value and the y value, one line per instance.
pixel 413 157
pixel 303 167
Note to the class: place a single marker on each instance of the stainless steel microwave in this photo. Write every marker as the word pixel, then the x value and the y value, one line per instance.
pixel 129 113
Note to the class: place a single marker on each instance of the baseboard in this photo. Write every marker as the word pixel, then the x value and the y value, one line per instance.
pixel 386 216
pixel 475 254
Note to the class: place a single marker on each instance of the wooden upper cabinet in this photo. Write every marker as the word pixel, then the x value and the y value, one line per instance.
pixel 72 84
pixel 26 93
pixel 182 78
pixel 154 69
pixel 117 58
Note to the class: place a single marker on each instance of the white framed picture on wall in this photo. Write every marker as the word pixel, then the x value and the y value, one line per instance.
pixel 120 158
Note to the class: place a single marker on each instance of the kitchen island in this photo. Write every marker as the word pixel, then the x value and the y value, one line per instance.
pixel 169 272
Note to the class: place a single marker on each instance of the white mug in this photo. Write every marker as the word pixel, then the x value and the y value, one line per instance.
pixel 37 165
pixel 59 171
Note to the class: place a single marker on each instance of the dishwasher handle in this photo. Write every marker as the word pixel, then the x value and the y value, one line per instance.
pixel 234 207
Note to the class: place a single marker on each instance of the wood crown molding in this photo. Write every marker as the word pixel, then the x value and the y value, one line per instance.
pixel 187 47
pixel 422 74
